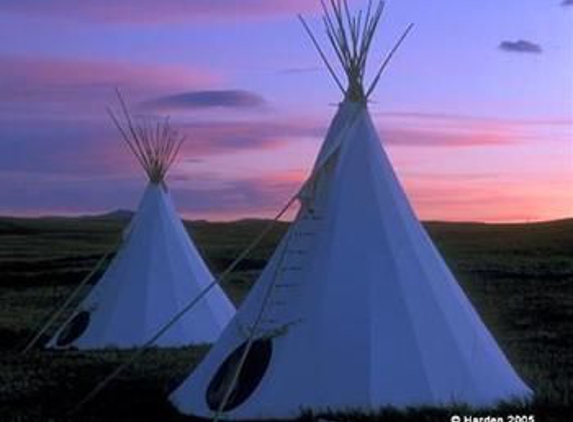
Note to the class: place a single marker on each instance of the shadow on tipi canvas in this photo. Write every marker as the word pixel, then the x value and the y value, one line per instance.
pixel 356 308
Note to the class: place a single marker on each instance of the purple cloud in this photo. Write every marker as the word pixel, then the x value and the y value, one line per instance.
pixel 445 137
pixel 236 198
pixel 520 46
pixel 28 194
pixel 68 148
pixel 222 199
pixel 300 70
pixel 206 99
pixel 464 120
pixel 220 137
pixel 445 130
pixel 92 148
pixel 566 3
pixel 152 11
pixel 56 87
pixel 63 166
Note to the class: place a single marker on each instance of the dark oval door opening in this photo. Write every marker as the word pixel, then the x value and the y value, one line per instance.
pixel 74 329
pixel 252 372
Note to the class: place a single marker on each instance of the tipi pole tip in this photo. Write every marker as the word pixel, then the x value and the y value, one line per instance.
pixel 154 147
pixel 321 53
pixel 387 60
pixel 350 36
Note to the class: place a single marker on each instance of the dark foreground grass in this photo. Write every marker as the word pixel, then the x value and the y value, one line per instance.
pixel 519 277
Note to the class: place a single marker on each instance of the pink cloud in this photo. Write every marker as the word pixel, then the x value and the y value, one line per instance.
pixel 478 197
pixel 460 119
pixel 63 80
pixel 439 137
pixel 152 11
pixel 437 129
pixel 453 197
pixel 219 137
pixel 82 147
pixel 442 130
pixel 220 198
pixel 53 165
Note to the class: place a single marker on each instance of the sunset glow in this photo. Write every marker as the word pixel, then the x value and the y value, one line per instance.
pixel 479 127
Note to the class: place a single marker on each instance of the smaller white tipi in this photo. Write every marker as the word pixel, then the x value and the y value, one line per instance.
pixel 356 309
pixel 156 271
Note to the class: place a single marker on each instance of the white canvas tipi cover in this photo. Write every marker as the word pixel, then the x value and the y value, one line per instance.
pixel 155 274
pixel 356 309
pixel 157 271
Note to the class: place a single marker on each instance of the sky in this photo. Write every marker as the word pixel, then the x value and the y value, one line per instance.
pixel 475 110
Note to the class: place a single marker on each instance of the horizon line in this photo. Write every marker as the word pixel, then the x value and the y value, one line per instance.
pixel 109 215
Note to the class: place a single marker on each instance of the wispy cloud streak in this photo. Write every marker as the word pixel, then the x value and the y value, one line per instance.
pixel 145 12
pixel 206 99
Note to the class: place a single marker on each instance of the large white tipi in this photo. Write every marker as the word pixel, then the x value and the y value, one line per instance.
pixel 157 269
pixel 356 309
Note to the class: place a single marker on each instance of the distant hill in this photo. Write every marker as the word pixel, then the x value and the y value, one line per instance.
pixel 119 214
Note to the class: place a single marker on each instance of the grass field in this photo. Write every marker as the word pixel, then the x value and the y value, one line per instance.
pixel 519 277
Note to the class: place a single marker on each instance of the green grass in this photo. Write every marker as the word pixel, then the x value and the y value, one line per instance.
pixel 519 277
